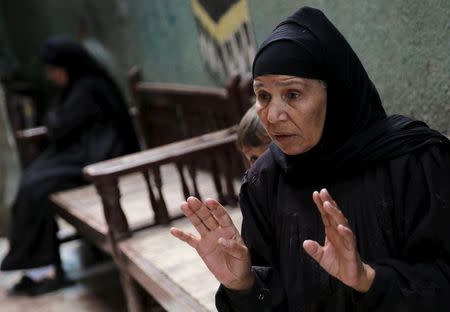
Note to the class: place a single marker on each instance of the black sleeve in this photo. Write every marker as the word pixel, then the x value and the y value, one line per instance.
pixel 255 299
pixel 78 111
pixel 420 277
pixel 267 294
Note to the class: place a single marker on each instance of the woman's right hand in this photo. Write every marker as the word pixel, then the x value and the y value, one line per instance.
pixel 220 245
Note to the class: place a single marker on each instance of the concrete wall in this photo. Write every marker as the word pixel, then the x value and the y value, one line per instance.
pixel 404 46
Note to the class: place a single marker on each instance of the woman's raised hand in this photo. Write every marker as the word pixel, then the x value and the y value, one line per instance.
pixel 220 245
pixel 338 256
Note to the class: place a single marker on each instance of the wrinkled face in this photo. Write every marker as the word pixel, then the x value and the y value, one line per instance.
pixel 292 109
pixel 252 153
pixel 58 75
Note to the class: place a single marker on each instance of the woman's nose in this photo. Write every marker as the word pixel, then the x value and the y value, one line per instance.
pixel 276 111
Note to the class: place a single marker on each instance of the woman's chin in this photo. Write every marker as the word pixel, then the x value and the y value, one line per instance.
pixel 293 148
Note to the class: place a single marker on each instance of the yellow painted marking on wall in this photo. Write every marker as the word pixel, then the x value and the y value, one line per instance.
pixel 227 24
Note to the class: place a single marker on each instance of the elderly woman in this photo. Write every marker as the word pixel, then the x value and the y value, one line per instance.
pixel 90 123
pixel 348 210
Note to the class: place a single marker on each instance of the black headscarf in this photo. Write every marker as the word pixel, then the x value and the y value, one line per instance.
pixel 73 58
pixel 357 131
pixel 80 64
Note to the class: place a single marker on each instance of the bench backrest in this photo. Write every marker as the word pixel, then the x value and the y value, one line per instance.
pixel 24 111
pixel 168 112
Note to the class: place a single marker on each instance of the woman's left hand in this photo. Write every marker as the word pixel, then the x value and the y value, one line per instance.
pixel 338 256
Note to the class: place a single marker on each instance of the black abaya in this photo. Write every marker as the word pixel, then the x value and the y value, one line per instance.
pixel 398 211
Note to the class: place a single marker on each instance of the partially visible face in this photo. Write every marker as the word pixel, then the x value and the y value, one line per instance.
pixel 292 110
pixel 252 153
pixel 58 75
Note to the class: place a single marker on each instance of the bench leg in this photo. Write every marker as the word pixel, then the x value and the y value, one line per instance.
pixel 134 295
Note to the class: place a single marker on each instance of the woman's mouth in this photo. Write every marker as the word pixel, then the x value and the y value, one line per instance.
pixel 283 137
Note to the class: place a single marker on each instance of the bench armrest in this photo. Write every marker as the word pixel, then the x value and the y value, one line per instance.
pixel 157 156
pixel 32 134
pixel 105 175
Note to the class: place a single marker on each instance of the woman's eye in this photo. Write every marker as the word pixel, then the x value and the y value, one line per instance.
pixel 292 95
pixel 263 97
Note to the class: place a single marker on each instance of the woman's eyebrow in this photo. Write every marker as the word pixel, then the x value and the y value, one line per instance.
pixel 283 83
pixel 257 84
pixel 290 82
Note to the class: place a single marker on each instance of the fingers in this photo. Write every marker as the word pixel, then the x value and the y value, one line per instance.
pixel 318 201
pixel 331 208
pixel 219 212
pixel 313 249
pixel 336 224
pixel 203 213
pixel 194 219
pixel 207 216
pixel 328 208
pixel 325 196
pixel 348 237
pixel 234 248
pixel 185 237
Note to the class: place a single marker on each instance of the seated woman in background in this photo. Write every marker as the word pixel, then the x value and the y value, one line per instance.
pixel 252 139
pixel 90 123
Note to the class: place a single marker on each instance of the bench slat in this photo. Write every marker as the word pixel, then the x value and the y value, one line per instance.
pixel 163 154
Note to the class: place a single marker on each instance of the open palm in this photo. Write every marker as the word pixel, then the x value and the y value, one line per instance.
pixel 220 245
pixel 338 256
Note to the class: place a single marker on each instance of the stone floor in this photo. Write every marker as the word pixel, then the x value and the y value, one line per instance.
pixel 97 287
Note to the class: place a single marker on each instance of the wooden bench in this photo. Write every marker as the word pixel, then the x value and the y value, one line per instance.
pixel 164 267
pixel 174 104
pixel 139 191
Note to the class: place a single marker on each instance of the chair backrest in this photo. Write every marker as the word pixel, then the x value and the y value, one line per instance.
pixel 20 104
pixel 169 112
pixel 24 111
